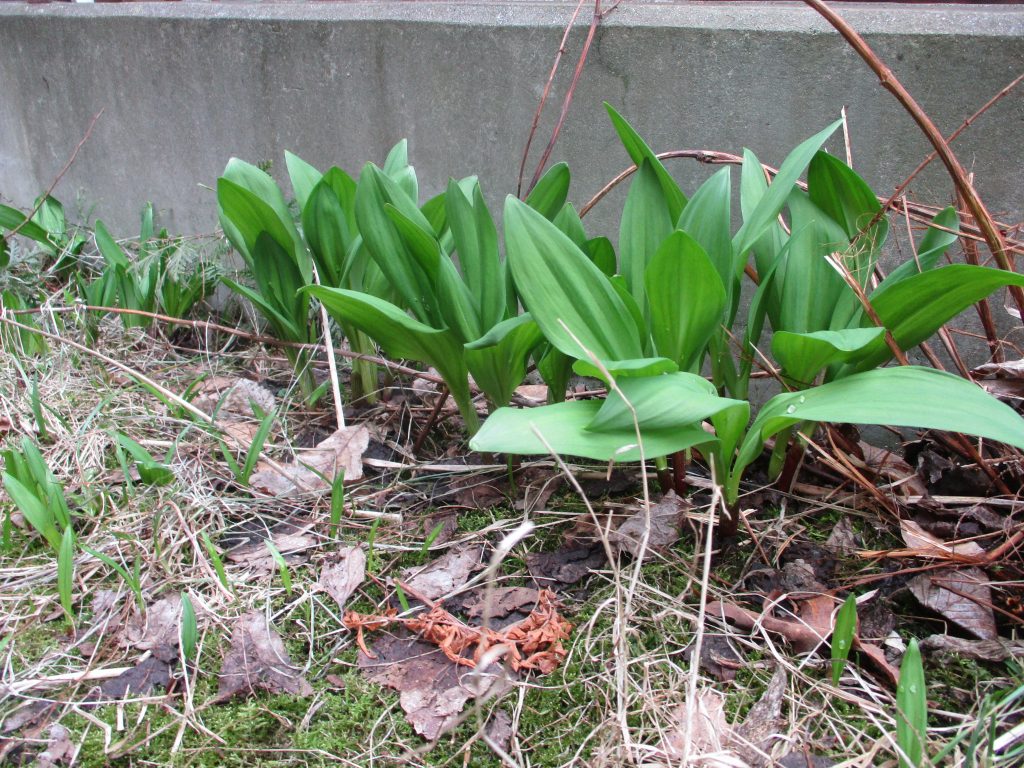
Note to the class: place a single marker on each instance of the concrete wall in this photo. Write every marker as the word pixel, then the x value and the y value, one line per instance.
pixel 185 86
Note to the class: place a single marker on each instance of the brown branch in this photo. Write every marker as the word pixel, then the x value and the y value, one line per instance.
pixel 544 96
pixel 567 101
pixel 993 237
pixel 56 181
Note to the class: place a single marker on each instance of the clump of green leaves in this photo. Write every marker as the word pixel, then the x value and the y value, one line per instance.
pixel 670 307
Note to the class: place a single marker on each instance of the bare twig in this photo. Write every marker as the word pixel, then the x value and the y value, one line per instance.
pixel 544 96
pixel 56 181
pixel 567 101
pixel 993 237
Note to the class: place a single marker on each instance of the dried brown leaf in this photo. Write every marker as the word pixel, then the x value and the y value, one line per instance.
pixel 662 526
pixel 446 574
pixel 928 545
pixel 158 630
pixel 258 661
pixel 504 600
pixel 229 398
pixel 997 650
pixel 708 734
pixel 894 470
pixel 60 750
pixel 341 578
pixel 149 673
pixel 432 690
pixel 565 566
pixel 962 596
pixel 314 469
pixel 293 546
pixel 764 722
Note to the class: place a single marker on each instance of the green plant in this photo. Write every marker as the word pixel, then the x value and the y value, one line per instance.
pixel 842 637
pixel 282 567
pixel 912 709
pixel 150 470
pixel 20 340
pixel 461 320
pixel 188 631
pixel 647 330
pixel 48 228
pixel 36 492
pixel 243 471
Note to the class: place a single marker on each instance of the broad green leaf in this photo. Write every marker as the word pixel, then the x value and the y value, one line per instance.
pixel 327 232
pixel 686 298
pixel 555 368
pixel 564 428
pixel 804 355
pixel 549 194
pixel 189 631
pixel 50 217
pixel 12 218
pixel 457 305
pixel 811 287
pixel 638 151
pixel 602 253
pixel 250 216
pixel 386 246
pixel 646 222
pixel 934 243
pixel 905 396
pixel 109 249
pixel 768 207
pixel 397 168
pixel 842 637
pixel 279 280
pixel 402 336
pixel 304 178
pixel 707 218
pixel 497 361
pixel 284 328
pixel 917 306
pixel 912 709
pixel 559 284
pixel 35 512
pixel 569 222
pixel 672 401
pixel 646 366
pixel 66 571
pixel 622 289
pixel 768 248
pixel 838 191
pixel 476 242
pixel 272 213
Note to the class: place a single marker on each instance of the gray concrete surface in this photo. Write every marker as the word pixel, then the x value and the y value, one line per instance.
pixel 184 86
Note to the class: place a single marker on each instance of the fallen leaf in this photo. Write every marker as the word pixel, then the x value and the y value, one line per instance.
pixel 877 657
pixel 962 596
pixel 152 671
pixel 59 748
pixel 892 468
pixel 997 650
pixel 843 540
pixel 258 661
pixel 535 643
pixel 802 637
pixel 446 574
pixel 504 600
pixel 565 566
pixel 340 579
pixel 474 493
pixel 499 729
pixel 432 690
pixel 801 760
pixel 537 394
pixel 1010 368
pixel 445 523
pixel 917 538
pixel 293 546
pixel 314 469
pixel 708 733
pixel 764 723
pixel 5 425
pixel 229 398
pixel 718 658
pixel 158 630
pixel 661 525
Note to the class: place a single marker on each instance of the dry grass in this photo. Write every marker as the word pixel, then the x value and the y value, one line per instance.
pixel 625 693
